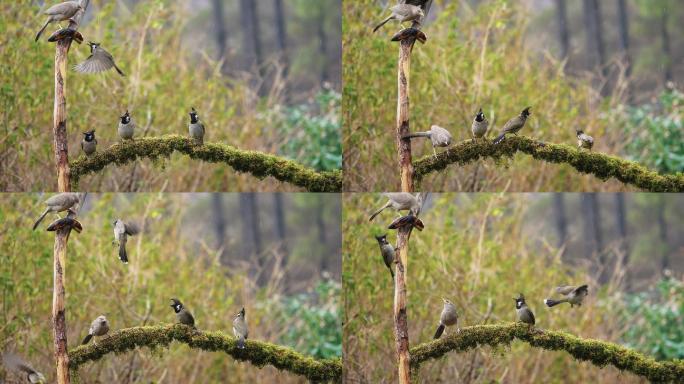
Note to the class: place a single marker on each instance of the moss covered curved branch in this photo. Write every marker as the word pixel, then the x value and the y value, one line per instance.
pixel 258 164
pixel 598 164
pixel 597 352
pixel 256 352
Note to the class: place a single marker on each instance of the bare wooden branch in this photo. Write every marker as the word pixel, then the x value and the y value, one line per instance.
pixel 400 316
pixel 404 145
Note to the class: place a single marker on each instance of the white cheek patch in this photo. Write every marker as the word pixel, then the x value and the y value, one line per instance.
pixel 178 308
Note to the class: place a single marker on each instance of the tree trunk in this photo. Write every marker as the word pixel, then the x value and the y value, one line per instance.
pixel 563 32
pixel 280 225
pixel 219 224
pixel 221 34
pixel 561 219
pixel 594 35
pixel 403 129
pixel 593 237
pixel 623 18
pixel 281 38
pixel 662 234
pixel 59 307
pixel 667 51
pixel 256 36
pixel 323 43
pixel 401 335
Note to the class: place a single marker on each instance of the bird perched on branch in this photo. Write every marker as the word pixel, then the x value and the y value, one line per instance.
pixel 424 6
pixel 64 223
pixel 584 140
pixel 439 137
pixel 16 363
pixel 407 221
pixel 99 327
pixel 448 318
pixel 126 128
pixel 402 13
pixel 183 316
pixel 98 61
pixel 60 12
pixel 524 313
pixel 66 33
pixel 121 232
pixel 573 294
pixel 387 252
pixel 196 127
pixel 58 203
pixel 400 201
pixel 480 125
pixel 240 328
pixel 89 142
pixel 514 125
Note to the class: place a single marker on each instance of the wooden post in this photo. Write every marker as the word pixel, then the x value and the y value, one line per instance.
pixel 404 145
pixel 400 317
pixel 58 307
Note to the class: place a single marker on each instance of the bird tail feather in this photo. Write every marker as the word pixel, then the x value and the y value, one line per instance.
pixel 119 70
pixel 42 30
pixel 551 303
pixel 241 343
pixel 87 339
pixel 376 213
pixel 499 138
pixel 382 23
pixel 416 134
pixel 123 256
pixel 37 223
pixel 439 331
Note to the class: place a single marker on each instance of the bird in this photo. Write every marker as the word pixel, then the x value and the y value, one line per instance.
pixel 514 125
pixel 400 201
pixel 424 6
pixel 387 252
pixel 66 33
pixel 126 127
pixel 410 33
pixel 480 125
pixel 402 13
pixel 182 315
pixel 60 12
pixel 439 136
pixel 58 203
pixel 16 363
pixel 407 221
pixel 448 318
pixel 524 313
pixel 240 328
pixel 98 61
pixel 121 232
pixel 573 295
pixel 89 142
pixel 64 223
pixel 196 127
pixel 584 140
pixel 99 327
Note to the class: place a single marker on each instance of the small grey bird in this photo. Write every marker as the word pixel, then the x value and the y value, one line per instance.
pixel 196 127
pixel 400 201
pixel 240 328
pixel 439 136
pixel 126 127
pixel 89 143
pixel 448 318
pixel 58 203
pixel 584 140
pixel 403 13
pixel 121 232
pixel 16 363
pixel 573 294
pixel 514 125
pixel 98 61
pixel 480 125
pixel 387 252
pixel 523 311
pixel 99 327
pixel 183 316
pixel 60 12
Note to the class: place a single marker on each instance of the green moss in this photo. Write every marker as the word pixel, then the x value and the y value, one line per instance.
pixel 256 352
pixel 599 353
pixel 258 164
pixel 600 165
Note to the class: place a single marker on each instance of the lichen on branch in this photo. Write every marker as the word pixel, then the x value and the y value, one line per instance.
pixel 598 164
pixel 256 163
pixel 599 353
pixel 257 353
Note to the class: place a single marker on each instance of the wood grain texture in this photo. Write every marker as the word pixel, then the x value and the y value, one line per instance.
pixel 403 129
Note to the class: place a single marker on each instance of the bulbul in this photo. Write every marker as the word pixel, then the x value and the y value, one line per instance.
pixel 480 125
pixel 402 13
pixel 98 61
pixel 399 201
pixel 63 223
pixel 58 203
pixel 99 327
pixel 387 252
pixel 439 137
pixel 514 125
pixel 89 143
pixel 573 295
pixel 523 311
pixel 60 12
pixel 584 140
pixel 407 221
pixel 240 328
pixel 16 363
pixel 126 128
pixel 121 232
pixel 183 316
pixel 196 127
pixel 448 318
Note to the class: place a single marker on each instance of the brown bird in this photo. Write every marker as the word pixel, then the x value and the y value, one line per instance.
pixel 66 33
pixel 573 294
pixel 60 12
pixel 409 33
pixel 407 221
pixel 64 223
pixel 402 13
pixel 514 125
pixel 584 140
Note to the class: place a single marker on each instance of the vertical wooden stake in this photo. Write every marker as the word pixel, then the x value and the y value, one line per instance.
pixel 404 145
pixel 61 144
pixel 400 316
pixel 58 307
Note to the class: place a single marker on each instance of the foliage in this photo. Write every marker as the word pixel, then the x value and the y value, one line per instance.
pixel 656 320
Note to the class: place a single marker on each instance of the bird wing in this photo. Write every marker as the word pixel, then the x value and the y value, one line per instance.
pixel 62 8
pixel 581 290
pixel 565 290
pixel 15 362
pixel 512 124
pixel 96 63
pixel 131 229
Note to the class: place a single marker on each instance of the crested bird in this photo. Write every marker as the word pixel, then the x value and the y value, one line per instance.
pixel 183 316
pixel 584 140
pixel 524 313
pixel 126 128
pixel 196 127
pixel 514 125
pixel 480 125
pixel 573 294
pixel 89 142
pixel 240 328
pixel 98 61
pixel 387 251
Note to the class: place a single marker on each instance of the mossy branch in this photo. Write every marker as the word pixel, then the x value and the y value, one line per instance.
pixel 597 352
pixel 598 164
pixel 256 352
pixel 258 164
